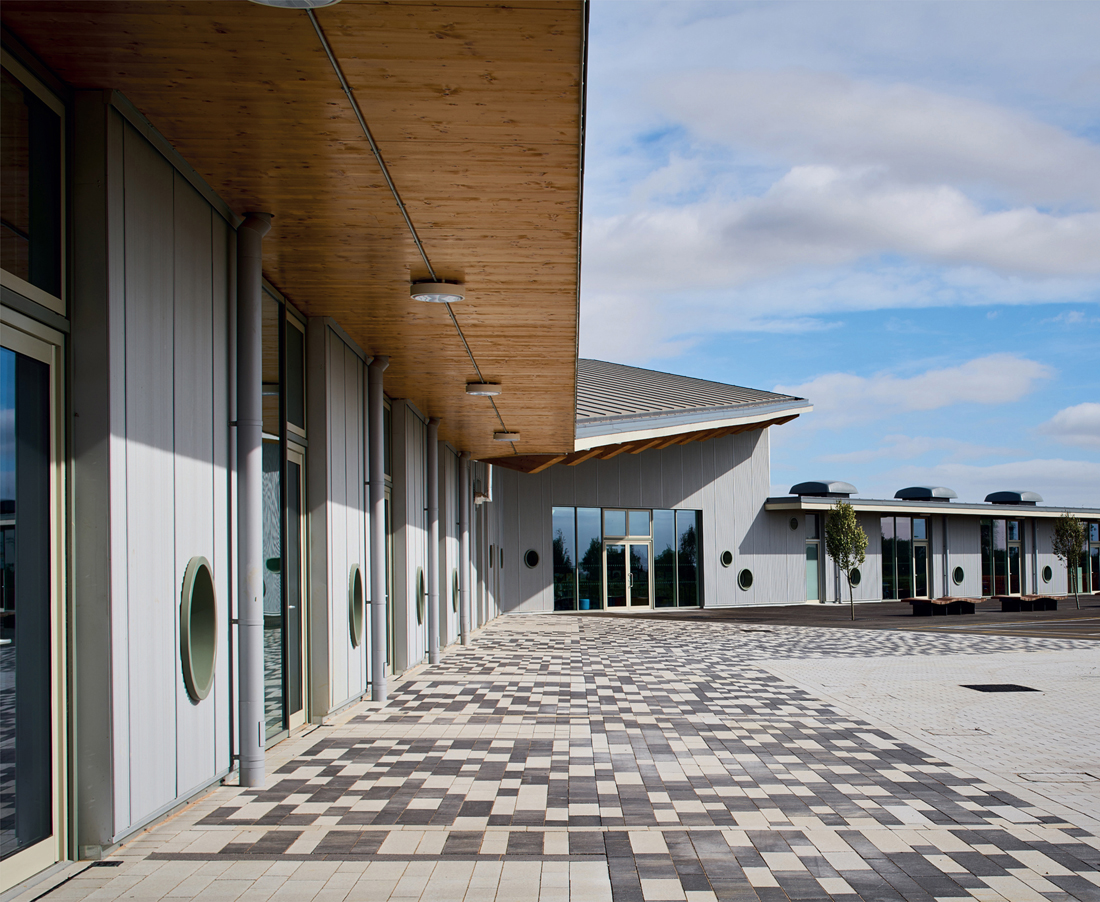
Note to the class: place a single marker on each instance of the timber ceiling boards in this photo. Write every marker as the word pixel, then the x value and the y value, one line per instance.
pixel 476 108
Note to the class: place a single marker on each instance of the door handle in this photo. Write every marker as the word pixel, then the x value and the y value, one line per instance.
pixel 631 580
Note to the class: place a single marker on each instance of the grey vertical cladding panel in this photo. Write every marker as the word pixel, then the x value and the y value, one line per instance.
pixel 353 503
pixel 630 480
pixel 965 543
pixel 870 584
pixel 563 485
pixel 337 518
pixel 119 489
pixel 649 467
pixel 149 434
pixel 720 531
pixel 607 483
pixel 672 476
pixel 318 606
pixel 194 354
pixel 416 532
pixel 796 555
pixel 529 509
pixel 98 450
pixel 448 539
pixel 398 514
pixel 220 254
pixel 692 468
pixel 585 485
pixel 1059 581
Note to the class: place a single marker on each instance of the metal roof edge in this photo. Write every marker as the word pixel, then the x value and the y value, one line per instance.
pixel 636 428
pixel 872 505
pixel 655 425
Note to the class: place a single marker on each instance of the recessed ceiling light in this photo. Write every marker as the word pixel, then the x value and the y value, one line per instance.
pixel 506 436
pixel 483 388
pixel 296 4
pixel 437 292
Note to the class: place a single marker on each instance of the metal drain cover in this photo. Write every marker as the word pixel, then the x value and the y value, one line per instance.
pixel 999 687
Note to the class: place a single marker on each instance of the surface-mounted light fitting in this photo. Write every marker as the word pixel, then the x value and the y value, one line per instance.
pixel 296 4
pixel 437 292
pixel 483 388
pixel 506 436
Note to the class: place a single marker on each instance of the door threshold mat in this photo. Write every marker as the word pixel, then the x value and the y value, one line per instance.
pixel 998 687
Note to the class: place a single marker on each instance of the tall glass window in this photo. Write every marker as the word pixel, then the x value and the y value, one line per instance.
pixel 26 799
pixel 889 587
pixel 664 559
pixel 589 558
pixel 813 572
pixel 1000 557
pixel 30 212
pixel 565 558
pixel 688 531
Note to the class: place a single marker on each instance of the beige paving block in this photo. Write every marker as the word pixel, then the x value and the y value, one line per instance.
pixel 760 877
pixel 783 861
pixel 846 861
pixel 401 842
pixel 662 890
pixel 648 842
pixel 1039 863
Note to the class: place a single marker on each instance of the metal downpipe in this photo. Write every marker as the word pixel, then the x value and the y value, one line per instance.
pixel 433 540
pixel 250 585
pixel 464 552
pixel 377 477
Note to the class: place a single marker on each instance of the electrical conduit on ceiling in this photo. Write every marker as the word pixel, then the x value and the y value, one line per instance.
pixel 397 197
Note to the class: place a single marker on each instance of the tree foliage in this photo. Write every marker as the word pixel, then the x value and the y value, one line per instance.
pixel 845 543
pixel 1069 537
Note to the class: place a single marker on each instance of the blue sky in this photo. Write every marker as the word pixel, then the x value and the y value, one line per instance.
pixel 892 209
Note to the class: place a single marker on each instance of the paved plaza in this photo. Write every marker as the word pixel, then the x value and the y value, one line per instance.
pixel 613 758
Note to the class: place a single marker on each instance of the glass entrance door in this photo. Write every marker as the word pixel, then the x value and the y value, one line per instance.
pixel 628 569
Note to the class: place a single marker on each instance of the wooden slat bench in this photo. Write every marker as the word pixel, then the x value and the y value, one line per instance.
pixel 1017 603
pixel 939 607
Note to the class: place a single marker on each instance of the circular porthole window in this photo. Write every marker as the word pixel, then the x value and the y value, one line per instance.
pixel 958 575
pixel 726 558
pixel 454 590
pixel 355 605
pixel 1048 574
pixel 198 628
pixel 744 578
pixel 531 558
pixel 855 576
pixel 793 523
pixel 421 595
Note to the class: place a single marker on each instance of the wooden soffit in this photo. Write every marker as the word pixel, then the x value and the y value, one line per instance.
pixel 536 463
pixel 476 108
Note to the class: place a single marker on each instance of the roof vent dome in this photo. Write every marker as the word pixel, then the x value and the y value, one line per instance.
pixel 926 493
pixel 822 489
pixel 1014 497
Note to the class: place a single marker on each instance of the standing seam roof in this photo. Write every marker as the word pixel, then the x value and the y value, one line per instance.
pixel 614 390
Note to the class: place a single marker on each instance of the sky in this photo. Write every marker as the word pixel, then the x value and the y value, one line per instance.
pixel 892 209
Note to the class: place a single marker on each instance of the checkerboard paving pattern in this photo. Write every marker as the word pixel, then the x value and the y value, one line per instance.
pixel 598 758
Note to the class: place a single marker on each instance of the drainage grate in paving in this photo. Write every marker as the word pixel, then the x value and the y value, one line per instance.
pixel 999 687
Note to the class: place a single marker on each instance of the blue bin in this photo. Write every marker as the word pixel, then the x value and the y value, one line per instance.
pixel 585 604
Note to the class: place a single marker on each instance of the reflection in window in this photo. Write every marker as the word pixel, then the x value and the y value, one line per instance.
pixel 590 558
pixel 614 523
pixel 271 491
pixel 688 530
pixel 30 206
pixel 565 558
pixel 26 799
pixel 664 559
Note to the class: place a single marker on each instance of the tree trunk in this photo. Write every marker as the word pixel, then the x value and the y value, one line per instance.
pixel 851 596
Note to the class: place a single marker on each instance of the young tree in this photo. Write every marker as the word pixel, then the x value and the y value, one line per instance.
pixel 845 543
pixel 1069 536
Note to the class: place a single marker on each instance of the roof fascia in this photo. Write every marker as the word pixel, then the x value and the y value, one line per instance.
pixel 591 434
pixel 922 507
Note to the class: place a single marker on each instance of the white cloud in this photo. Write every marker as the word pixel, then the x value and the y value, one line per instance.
pixel 842 398
pixel 919 135
pixel 1077 425
pixel 905 447
pixel 821 216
